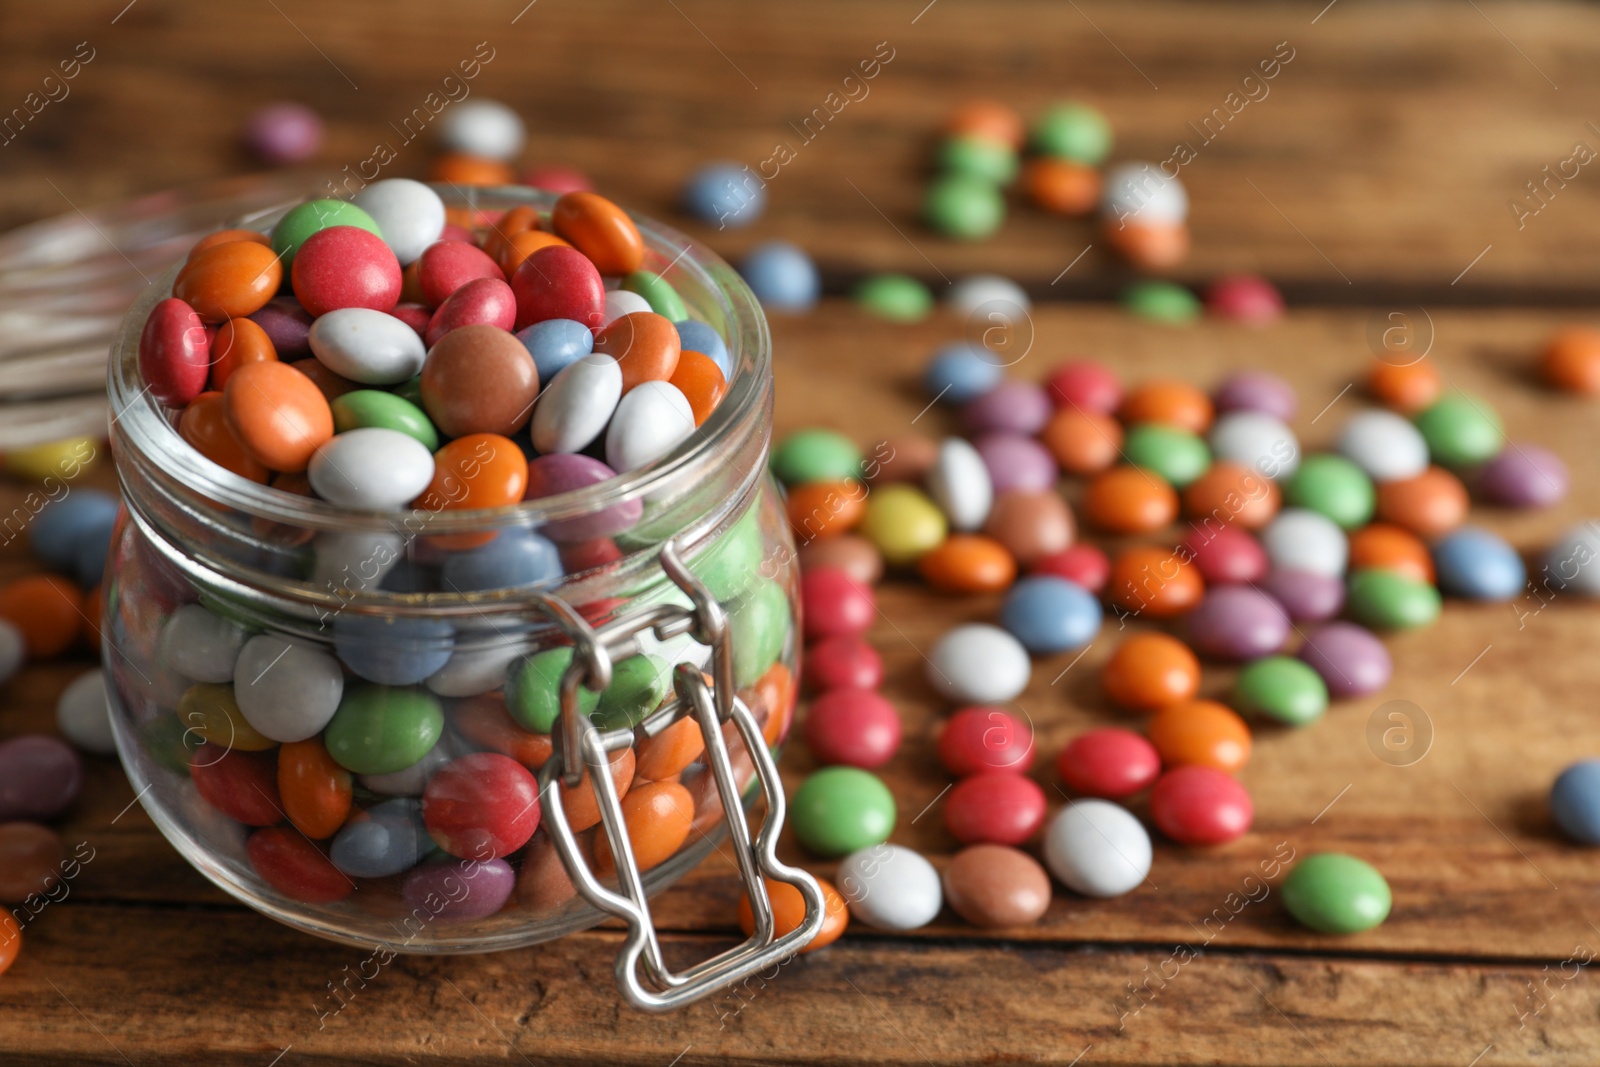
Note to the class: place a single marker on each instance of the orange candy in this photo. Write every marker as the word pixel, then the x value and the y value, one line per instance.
pixel 1151 246
pixel 222 237
pixel 229 281
pixel 1130 500
pixel 700 380
pixel 485 722
pixel 789 911
pixel 238 341
pixel 645 345
pixel 657 816
pixel 1200 733
pixel 1151 671
pixel 278 414
pixel 776 691
pixel 669 752
pixel 1061 186
pixel 1155 582
pixel 989 119
pixel 968 563
pixel 1380 546
pixel 315 790
pixel 524 244
pixel 47 610
pixel 1172 402
pixel 204 424
pixel 519 219
pixel 480 470
pixel 1409 388
pixel 581 805
pixel 10 940
pixel 600 230
pixel 1571 360
pixel 459 169
pixel 825 509
pixel 1083 442
pixel 1232 492
pixel 1429 505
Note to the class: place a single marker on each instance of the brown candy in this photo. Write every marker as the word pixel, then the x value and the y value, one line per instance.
pixel 30 860
pixel 1030 524
pixel 901 459
pixel 995 886
pixel 544 884
pixel 854 555
pixel 479 379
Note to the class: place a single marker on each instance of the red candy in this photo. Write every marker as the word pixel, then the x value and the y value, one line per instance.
pixel 416 316
pixel 994 808
pixel 1225 554
pixel 481 806
pixel 981 739
pixel 557 282
pixel 558 179
pixel 446 266
pixel 1244 298
pixel 174 353
pixel 855 727
pixel 1110 762
pixel 1200 806
pixel 295 867
pixel 482 300
pixel 833 604
pixel 241 785
pixel 843 663
pixel 345 267
pixel 1085 565
pixel 1085 384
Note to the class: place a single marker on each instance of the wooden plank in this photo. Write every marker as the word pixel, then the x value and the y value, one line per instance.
pixel 1387 151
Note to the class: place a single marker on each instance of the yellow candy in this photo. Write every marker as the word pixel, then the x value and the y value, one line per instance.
pixel 58 459
pixel 902 523
pixel 211 713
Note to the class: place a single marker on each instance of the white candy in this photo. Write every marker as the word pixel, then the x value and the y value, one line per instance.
pixel 484 128
pixel 959 483
pixel 1299 539
pixel 989 292
pixel 1258 441
pixel 346 562
pixel 1385 445
pixel 1097 848
pixel 1572 564
pixel 577 404
pixel 201 645
pixel 409 215
pixel 480 667
pixel 620 302
pixel 287 689
pixel 979 664
pixel 651 420
pixel 367 346
pixel 13 650
pixel 1140 192
pixel 84 716
pixel 370 468
pixel 890 887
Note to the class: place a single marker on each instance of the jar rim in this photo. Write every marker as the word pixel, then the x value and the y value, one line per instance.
pixel 140 421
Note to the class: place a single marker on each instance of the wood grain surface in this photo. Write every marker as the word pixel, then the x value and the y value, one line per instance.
pixel 1382 158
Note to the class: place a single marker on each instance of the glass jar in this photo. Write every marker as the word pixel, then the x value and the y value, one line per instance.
pixel 239 618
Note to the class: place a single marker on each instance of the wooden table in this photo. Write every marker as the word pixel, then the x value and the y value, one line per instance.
pixel 1374 179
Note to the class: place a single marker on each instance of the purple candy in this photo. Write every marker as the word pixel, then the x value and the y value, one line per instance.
pixel 564 473
pixel 1020 407
pixel 1017 462
pixel 1238 622
pixel 1524 476
pixel 1254 390
pixel 287 325
pixel 1306 596
pixel 1350 659
pixel 39 777
pixel 460 890
pixel 284 133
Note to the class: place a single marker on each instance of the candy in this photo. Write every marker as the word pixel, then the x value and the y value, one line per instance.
pixel 650 421
pixel 964 206
pixel 1350 659
pixel 316 791
pixel 845 662
pixel 988 120
pixel 905 458
pixel 238 341
pixel 241 785
pixel 65 457
pixel 961 485
pixel 13 650
pixel 204 425
pixel 1385 547
pixel 891 887
pixel 1405 387
pixel 1175 454
pixel 479 379
pixel 960 372
pixel 533 693
pixel 1575 801
pixel 1305 540
pixel 1083 442
pixel 600 230
pixel 30 864
pixel 384 410
pixel 658 817
pixel 1335 893
pixel 1097 848
pixel 894 297
pixel 386 839
pixel 174 353
pixel 229 280
pixel 1281 688
pixel 1386 446
pixel 815 456
pixel 488 301
pixel 488 884
pixel 1020 407
pixel 838 810
pixel 277 414
pixel 645 346
pixel 1569 562
pixel 658 294
pixel 698 337
pixel 834 605
pixel 1197 805
pixel 1150 671
pixel 1072 131
pixel 781 276
pixel 562 473
pixel 212 717
pixel 1429 505
pixel 987 298
pixel 304 220
pixel 284 133
pixel 577 406
pixel 516 558
pixel 59 531
pixel 392 651
pixel 1085 384
pixel 460 169
pixel 824 509
pixel 980 158
pixel 287 689
pixel 638 686
pixel 39 777
pixel 789 910
pixel 1225 554
pixel 1083 565
pixel 1109 762
pixel 995 807
pixel 1200 733
pixel 82 714
pixel 902 523
pixel 296 868
pixel 1261 442
pixel 701 382
pixel 1387 600
pixel 485 128
pixel 1160 301
pixel 761 623
pixel 979 739
pixel 1332 486
pixel 46 611
pixel 1016 462
pixel 993 887
pixel 1305 596
pixel 286 324
pixel 1050 615
pixel 979 664
pixel 726 194
pixel 481 806
pixel 1571 360
pixel 1237 622
pixel 1156 582
pixel 1232 493
pixel 854 727
pixel 1130 500
pixel 1247 298
pixel 1474 563
pixel 446 266
pixel 968 563
pixel 1061 187
pixel 370 469
pixel 1461 430
pixel 1524 475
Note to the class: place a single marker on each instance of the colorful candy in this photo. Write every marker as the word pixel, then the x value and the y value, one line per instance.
pixel 1097 848
pixel 1335 893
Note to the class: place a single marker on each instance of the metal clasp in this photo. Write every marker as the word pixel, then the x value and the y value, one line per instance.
pixel 580 744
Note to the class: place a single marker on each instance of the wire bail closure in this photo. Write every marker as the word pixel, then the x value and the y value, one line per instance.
pixel 580 746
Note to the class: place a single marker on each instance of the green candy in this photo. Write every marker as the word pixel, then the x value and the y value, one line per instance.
pixel 841 809
pixel 816 456
pixel 658 292
pixel 964 206
pixel 758 627
pixel 1175 454
pixel 1335 487
pixel 1335 893
pixel 410 390
pixel 308 218
pixel 638 686
pixel 979 157
pixel 1161 302
pixel 1389 600
pixel 896 297
pixel 380 729
pixel 734 559
pixel 533 690
pixel 385 410
pixel 1461 430
pixel 1073 131
pixel 1282 688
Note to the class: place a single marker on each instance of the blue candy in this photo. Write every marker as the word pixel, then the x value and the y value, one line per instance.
pixel 89 564
pixel 392 651
pixel 409 576
pixel 555 344
pixel 696 336
pixel 59 532
pixel 1049 614
pixel 725 194
pixel 1471 562
pixel 782 276
pixel 1575 801
pixel 961 372
pixel 390 839
pixel 514 559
